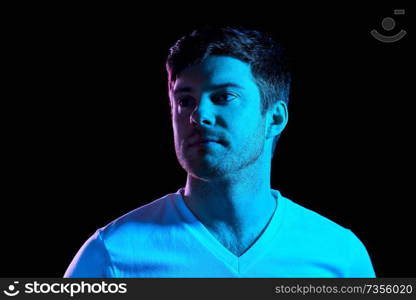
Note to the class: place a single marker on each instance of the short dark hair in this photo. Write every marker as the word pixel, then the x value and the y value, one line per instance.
pixel 267 59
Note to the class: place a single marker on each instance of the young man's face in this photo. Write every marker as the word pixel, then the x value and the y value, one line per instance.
pixel 216 116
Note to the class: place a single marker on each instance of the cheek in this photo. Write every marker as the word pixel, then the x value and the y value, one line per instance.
pixel 176 120
pixel 247 123
pixel 178 116
pixel 251 131
pixel 179 129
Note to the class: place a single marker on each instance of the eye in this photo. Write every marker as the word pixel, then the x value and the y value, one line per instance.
pixel 224 97
pixel 185 101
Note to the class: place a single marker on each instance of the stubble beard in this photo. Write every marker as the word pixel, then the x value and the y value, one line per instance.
pixel 225 163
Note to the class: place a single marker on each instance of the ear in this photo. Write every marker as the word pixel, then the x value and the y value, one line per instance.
pixel 278 116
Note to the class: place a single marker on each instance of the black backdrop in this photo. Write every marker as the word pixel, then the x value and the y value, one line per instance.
pixel 88 137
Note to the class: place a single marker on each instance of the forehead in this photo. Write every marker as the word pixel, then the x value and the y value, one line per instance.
pixel 216 70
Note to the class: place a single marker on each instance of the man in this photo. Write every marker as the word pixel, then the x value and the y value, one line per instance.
pixel 228 91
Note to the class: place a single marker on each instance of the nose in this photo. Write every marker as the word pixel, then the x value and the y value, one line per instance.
pixel 203 114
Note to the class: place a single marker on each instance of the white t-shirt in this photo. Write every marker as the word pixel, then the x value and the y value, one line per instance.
pixel 165 239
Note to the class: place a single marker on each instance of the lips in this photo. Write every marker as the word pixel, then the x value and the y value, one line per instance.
pixel 202 141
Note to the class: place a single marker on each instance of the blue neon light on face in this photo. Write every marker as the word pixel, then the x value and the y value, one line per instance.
pixel 218 104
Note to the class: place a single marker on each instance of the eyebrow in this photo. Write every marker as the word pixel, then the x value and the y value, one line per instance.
pixel 187 89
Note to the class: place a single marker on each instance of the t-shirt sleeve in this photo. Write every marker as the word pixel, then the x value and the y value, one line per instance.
pixel 360 265
pixel 91 261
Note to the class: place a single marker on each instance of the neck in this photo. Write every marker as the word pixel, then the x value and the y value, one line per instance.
pixel 238 205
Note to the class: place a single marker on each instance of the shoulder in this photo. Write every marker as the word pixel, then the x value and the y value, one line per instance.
pixel 304 219
pixel 143 220
pixel 324 237
pixel 123 235
pixel 302 226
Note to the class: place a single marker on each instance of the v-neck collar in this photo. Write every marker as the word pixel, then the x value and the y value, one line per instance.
pixel 239 264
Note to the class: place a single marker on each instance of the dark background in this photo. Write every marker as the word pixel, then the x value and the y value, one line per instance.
pixel 87 131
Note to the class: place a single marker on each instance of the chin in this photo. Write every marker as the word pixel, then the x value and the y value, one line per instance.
pixel 202 169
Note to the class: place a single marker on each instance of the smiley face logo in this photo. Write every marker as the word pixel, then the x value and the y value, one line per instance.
pixel 388 24
pixel 11 291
